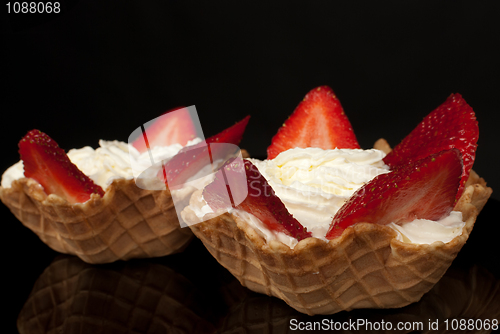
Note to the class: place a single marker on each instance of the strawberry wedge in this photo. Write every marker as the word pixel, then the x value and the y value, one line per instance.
pixel 173 127
pixel 261 200
pixel 45 162
pixel 452 125
pixel 318 121
pixel 424 189
pixel 192 159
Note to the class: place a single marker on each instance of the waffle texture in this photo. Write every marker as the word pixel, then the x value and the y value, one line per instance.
pixel 74 297
pixel 366 267
pixel 127 222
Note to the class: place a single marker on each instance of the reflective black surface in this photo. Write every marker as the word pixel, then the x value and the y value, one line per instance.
pixel 191 293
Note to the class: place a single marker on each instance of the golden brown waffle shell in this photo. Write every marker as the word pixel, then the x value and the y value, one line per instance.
pixel 127 222
pixel 366 267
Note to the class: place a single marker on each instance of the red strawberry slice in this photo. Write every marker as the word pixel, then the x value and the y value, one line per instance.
pixel 318 121
pixel 261 200
pixel 173 127
pixel 193 158
pixel 423 189
pixel 48 164
pixel 452 125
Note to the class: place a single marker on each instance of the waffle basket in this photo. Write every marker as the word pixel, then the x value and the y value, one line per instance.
pixel 366 267
pixel 127 222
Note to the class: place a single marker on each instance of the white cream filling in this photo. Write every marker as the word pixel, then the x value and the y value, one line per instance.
pixel 111 160
pixel 14 172
pixel 314 183
pixel 259 226
pixel 423 231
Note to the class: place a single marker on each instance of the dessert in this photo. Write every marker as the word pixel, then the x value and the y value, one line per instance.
pixel 366 252
pixel 88 202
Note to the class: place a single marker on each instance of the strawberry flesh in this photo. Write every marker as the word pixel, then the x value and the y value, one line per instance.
pixel 318 121
pixel 261 201
pixel 423 189
pixel 173 127
pixel 452 125
pixel 229 187
pixel 45 162
pixel 191 159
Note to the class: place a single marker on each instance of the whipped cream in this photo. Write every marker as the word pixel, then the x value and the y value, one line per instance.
pixel 262 229
pixel 314 183
pixel 104 164
pixel 14 172
pixel 423 231
pixel 110 161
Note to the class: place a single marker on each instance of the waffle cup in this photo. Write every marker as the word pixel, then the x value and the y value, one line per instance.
pixel 366 267
pixel 127 222
pixel 135 297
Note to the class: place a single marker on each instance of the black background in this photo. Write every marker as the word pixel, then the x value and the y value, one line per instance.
pixel 99 69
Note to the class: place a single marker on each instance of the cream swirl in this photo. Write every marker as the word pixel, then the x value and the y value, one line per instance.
pixel 104 164
pixel 423 231
pixel 14 172
pixel 314 183
pixel 111 160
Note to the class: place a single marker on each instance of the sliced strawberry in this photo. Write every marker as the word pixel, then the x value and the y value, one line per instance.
pixel 452 125
pixel 424 189
pixel 261 200
pixel 193 158
pixel 318 121
pixel 173 127
pixel 48 164
pixel 229 187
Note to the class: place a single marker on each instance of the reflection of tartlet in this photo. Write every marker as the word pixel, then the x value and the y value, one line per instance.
pixel 360 262
pixel 73 297
pixel 461 297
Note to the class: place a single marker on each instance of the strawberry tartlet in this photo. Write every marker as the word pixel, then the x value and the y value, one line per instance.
pixel 327 226
pixel 93 203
